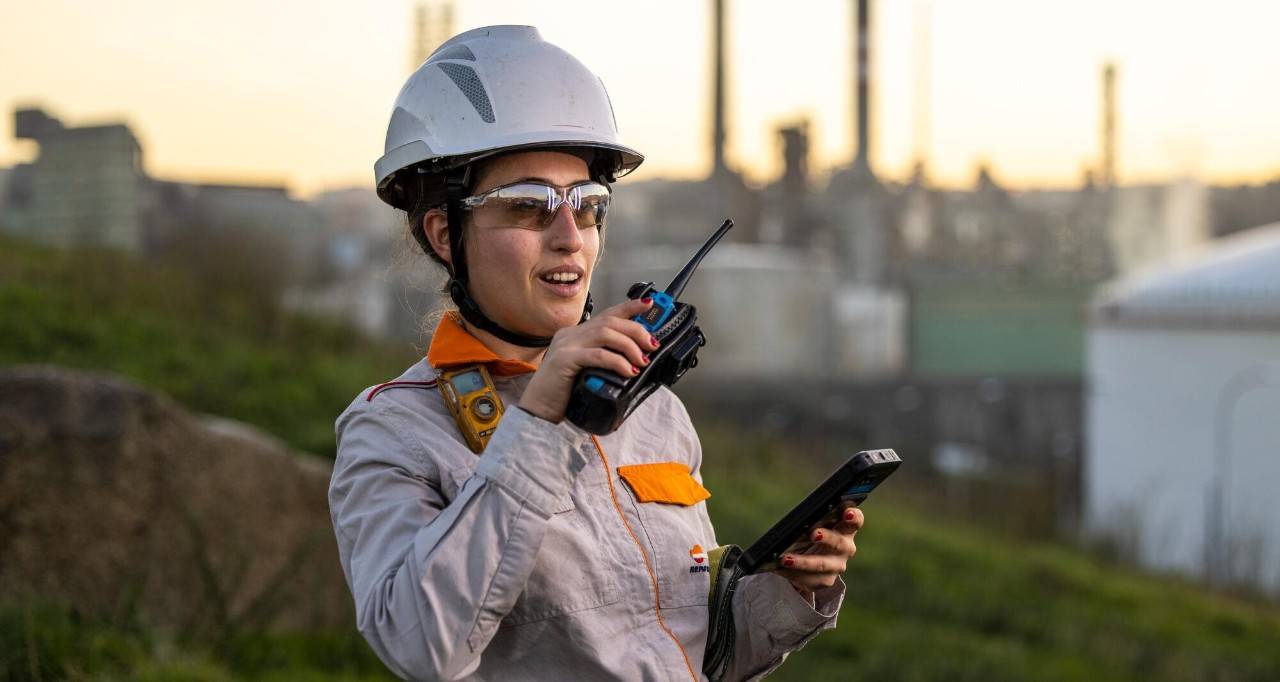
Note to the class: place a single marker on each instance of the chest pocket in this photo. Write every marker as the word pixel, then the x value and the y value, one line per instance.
pixel 570 572
pixel 671 506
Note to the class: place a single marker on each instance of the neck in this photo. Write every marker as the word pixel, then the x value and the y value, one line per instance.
pixel 503 349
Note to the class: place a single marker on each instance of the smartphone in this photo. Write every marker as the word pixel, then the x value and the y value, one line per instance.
pixel 852 482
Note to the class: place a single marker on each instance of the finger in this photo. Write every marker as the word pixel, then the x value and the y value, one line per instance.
pixel 628 308
pixel 605 359
pixel 829 541
pixel 815 563
pixel 636 331
pixel 622 344
pixel 851 520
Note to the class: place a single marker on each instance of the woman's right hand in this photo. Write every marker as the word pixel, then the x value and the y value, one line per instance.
pixel 610 340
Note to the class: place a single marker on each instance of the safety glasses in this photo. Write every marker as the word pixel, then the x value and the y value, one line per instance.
pixel 533 205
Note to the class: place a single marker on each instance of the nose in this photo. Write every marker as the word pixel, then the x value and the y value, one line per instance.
pixel 563 234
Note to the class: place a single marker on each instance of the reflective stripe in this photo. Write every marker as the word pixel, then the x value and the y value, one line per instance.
pixel 399 384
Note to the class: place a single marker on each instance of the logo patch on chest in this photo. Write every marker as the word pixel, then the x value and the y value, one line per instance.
pixel 699 560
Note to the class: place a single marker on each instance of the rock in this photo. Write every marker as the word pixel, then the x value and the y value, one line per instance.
pixel 119 501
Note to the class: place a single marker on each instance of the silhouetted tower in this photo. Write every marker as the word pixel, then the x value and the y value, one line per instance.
pixel 1108 170
pixel 862 78
pixel 922 118
pixel 797 227
pixel 718 166
pixel 432 25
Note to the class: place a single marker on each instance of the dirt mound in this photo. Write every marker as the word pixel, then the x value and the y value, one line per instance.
pixel 119 501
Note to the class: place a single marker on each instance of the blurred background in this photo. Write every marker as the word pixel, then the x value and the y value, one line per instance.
pixel 1035 248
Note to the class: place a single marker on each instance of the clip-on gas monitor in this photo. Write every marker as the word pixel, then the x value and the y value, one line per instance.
pixel 474 403
pixel 601 399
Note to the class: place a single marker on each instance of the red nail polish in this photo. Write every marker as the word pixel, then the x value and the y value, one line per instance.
pixel 635 370
pixel 788 562
pixel 653 341
pixel 645 359
pixel 819 538
pixel 848 515
pixel 647 300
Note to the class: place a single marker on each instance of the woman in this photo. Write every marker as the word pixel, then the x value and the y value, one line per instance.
pixel 553 554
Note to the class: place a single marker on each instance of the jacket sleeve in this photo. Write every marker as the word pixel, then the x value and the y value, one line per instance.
pixel 771 620
pixel 432 580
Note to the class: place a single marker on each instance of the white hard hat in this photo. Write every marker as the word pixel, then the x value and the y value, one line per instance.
pixel 496 89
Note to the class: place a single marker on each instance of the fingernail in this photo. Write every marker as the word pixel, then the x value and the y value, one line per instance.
pixel 848 515
pixel 788 562
pixel 818 537
pixel 647 300
pixel 635 370
pixel 645 360
pixel 653 341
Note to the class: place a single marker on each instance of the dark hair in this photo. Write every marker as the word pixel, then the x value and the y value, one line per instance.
pixel 426 193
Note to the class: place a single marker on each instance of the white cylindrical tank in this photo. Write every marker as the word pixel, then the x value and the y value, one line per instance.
pixel 1183 398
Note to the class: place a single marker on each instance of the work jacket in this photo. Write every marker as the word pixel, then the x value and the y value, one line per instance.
pixel 553 555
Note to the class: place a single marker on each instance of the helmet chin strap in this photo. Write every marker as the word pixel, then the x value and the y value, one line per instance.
pixel 457 190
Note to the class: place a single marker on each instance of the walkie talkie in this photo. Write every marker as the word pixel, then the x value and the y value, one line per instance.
pixel 601 399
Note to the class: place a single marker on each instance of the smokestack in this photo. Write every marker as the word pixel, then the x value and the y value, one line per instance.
pixel 718 134
pixel 862 77
pixel 1108 170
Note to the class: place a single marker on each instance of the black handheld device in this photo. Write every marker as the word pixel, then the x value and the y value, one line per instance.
pixel 851 482
pixel 601 399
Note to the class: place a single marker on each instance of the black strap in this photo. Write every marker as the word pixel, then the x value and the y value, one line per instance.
pixel 720 625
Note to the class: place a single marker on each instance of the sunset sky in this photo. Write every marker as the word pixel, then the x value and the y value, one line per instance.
pixel 299 93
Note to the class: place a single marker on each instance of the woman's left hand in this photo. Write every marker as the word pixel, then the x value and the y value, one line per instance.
pixel 820 564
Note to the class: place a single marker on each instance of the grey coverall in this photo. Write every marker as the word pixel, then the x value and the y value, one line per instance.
pixel 535 560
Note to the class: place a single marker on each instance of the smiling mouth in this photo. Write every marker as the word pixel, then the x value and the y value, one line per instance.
pixel 561 277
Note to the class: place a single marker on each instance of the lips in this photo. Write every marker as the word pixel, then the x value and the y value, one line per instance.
pixel 562 274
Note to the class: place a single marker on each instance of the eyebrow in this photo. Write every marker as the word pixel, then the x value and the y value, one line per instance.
pixel 536 179
pixel 545 181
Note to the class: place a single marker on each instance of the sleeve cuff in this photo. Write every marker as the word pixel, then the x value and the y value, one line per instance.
pixel 535 460
pixel 797 620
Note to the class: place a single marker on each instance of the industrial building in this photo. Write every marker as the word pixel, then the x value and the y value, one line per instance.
pixel 86 186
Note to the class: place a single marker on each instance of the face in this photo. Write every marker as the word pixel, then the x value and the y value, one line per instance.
pixel 533 281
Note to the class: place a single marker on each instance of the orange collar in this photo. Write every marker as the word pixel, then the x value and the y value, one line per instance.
pixel 453 345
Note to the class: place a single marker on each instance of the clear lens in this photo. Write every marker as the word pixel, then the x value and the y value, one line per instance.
pixel 532 205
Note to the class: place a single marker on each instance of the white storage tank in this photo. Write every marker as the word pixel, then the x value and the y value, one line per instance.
pixel 1182 462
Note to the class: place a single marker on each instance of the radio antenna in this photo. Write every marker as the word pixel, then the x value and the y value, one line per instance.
pixel 682 278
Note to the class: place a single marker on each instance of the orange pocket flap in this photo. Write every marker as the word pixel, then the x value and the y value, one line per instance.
pixel 666 482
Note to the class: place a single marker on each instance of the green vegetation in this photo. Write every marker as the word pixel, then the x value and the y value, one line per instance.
pixel 46 641
pixel 932 600
pixel 215 347
pixel 927 599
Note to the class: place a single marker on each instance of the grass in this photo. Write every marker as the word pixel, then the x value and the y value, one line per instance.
pixel 214 349
pixel 46 640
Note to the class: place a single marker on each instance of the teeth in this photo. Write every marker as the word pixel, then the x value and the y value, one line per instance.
pixel 562 277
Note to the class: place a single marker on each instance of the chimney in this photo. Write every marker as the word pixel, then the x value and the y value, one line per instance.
pixel 862 77
pixel 1108 170
pixel 718 167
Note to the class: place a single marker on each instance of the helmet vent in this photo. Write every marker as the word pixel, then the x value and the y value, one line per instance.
pixel 469 83
pixel 456 52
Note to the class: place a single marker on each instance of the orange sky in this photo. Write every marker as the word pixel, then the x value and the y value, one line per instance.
pixel 298 92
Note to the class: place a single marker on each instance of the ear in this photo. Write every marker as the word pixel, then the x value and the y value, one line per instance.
pixel 435 225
